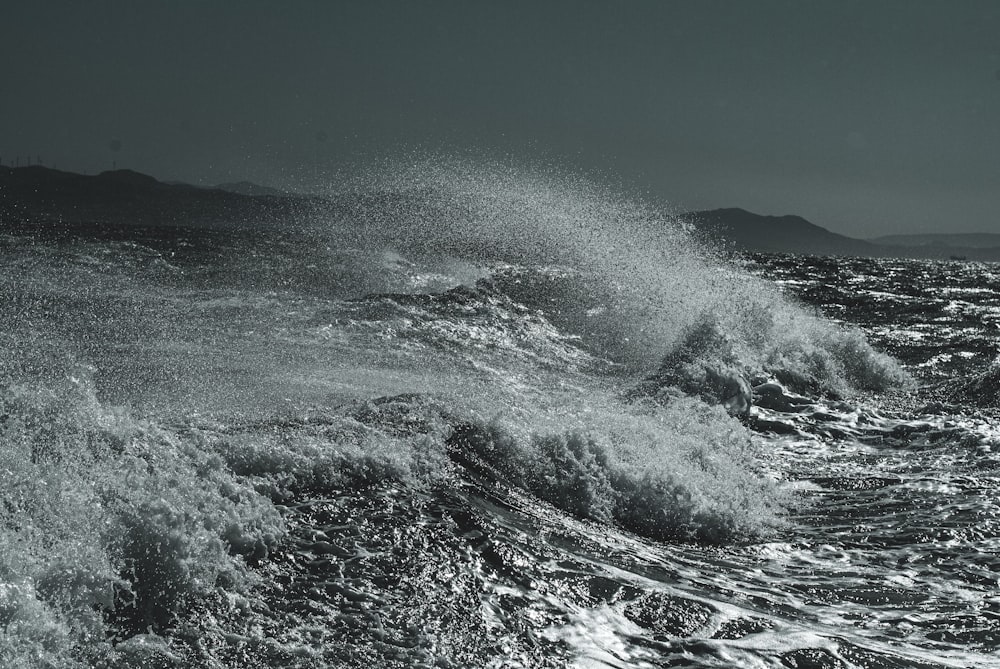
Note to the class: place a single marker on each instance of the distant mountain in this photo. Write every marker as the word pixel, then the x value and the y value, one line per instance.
pixel 967 240
pixel 777 234
pixel 745 231
pixel 40 195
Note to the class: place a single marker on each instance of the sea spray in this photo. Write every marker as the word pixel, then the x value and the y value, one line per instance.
pixel 407 435
pixel 117 529
pixel 682 472
pixel 631 281
pixel 112 527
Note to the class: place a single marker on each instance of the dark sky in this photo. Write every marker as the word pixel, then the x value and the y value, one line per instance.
pixel 866 117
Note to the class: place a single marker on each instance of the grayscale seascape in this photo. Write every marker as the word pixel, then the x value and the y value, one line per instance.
pixel 520 334
pixel 492 445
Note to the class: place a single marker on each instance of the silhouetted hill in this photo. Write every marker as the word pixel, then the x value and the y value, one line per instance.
pixel 40 195
pixel 128 178
pixel 777 234
pixel 745 231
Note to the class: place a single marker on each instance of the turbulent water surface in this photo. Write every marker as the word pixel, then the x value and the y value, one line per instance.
pixel 487 419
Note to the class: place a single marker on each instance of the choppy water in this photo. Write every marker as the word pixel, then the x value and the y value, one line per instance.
pixel 480 419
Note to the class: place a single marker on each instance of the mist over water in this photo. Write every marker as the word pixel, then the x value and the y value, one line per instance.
pixel 627 278
pixel 468 416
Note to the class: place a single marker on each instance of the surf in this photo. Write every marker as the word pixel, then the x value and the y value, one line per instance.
pixel 475 348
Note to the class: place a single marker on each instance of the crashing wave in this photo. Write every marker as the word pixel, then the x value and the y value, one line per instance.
pixel 496 318
pixel 113 527
pixel 636 286
pixel 118 531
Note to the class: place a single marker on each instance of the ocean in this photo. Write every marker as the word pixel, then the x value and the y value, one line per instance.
pixel 491 418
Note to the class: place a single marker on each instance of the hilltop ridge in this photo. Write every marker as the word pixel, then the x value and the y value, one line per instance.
pixel 741 230
pixel 748 231
pixel 53 197
pixel 36 195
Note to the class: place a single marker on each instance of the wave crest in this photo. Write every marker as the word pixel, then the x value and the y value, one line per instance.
pixel 112 526
pixel 685 472
pixel 630 280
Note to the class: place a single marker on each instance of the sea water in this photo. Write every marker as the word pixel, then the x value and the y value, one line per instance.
pixel 475 416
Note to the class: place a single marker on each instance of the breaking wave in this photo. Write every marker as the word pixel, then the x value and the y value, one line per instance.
pixel 440 360
pixel 119 532
pixel 628 279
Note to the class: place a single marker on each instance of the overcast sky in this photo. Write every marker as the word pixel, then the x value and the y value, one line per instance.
pixel 865 117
